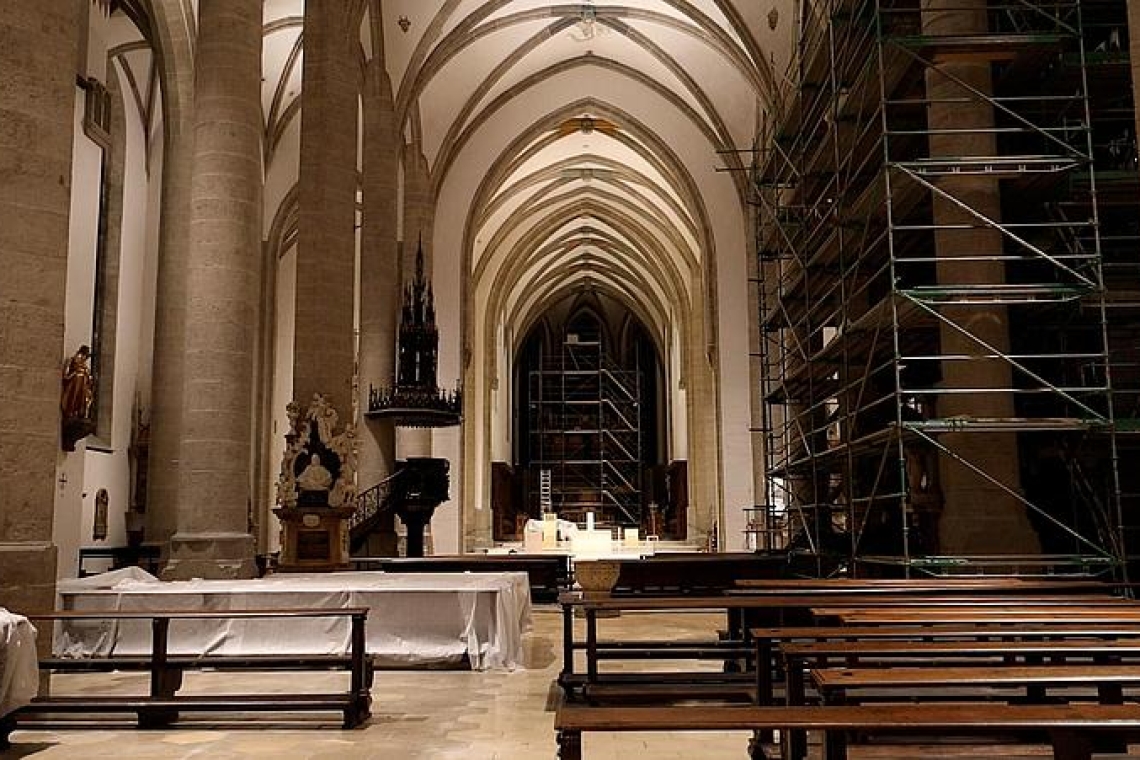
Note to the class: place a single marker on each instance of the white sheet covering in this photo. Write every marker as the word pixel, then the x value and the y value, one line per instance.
pixel 414 618
pixel 19 664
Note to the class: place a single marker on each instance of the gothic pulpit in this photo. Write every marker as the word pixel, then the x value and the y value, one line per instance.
pixel 416 401
pixel 422 486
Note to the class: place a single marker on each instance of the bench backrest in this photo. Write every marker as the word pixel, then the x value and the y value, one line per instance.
pixel 995 675
pixel 879 648
pixel 989 717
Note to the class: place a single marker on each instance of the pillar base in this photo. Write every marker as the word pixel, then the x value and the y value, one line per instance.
pixel 986 522
pixel 27 584
pixel 215 556
pixel 979 516
pixel 27 576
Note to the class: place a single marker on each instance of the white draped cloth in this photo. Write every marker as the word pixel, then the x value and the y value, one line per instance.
pixel 19 664
pixel 413 619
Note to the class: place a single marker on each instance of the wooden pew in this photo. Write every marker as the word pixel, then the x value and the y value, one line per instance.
pixel 162 703
pixel 1021 615
pixel 732 646
pixel 835 684
pixel 799 658
pixel 929 586
pixel 1072 729
pixel 956 599
pixel 764 640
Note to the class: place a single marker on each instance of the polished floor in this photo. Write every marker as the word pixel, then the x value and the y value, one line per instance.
pixel 444 714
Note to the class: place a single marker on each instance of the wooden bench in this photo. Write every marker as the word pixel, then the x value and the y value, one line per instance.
pixel 802 609
pixel 947 601
pixel 765 640
pixel 549 574
pixel 160 706
pixel 835 684
pixel 1072 729
pixel 732 647
pixel 1023 615
pixel 800 657
pixel 929 586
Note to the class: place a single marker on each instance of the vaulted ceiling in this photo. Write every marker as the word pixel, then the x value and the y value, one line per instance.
pixel 578 141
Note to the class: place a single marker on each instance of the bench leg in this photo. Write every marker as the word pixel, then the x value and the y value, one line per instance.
pixel 165 681
pixel 569 744
pixel 567 648
pixel 735 633
pixel 369 673
pixel 756 747
pixel 1071 745
pixel 7 726
pixel 157 717
pixel 835 745
pixel 363 707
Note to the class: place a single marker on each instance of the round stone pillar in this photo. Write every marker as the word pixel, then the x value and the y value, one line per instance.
pixel 379 288
pixel 212 537
pixel 37 117
pixel 979 516
pixel 1134 59
pixel 324 347
pixel 164 469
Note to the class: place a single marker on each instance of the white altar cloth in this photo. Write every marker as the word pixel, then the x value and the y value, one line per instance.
pixel 414 618
pixel 19 663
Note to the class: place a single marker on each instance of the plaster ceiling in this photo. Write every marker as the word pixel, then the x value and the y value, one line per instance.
pixel 595 129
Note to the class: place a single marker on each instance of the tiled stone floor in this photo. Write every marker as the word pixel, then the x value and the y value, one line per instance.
pixel 444 715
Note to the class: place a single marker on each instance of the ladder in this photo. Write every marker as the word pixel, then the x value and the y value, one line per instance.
pixel 546 502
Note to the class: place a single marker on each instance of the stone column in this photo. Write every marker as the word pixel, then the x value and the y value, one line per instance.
pixel 978 517
pixel 1134 58
pixel 212 538
pixel 38 59
pixel 379 287
pixel 703 462
pixel 164 470
pixel 324 345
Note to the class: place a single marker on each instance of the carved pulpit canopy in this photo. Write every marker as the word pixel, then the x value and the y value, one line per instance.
pixel 416 399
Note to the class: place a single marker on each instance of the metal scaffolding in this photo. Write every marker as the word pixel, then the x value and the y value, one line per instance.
pixel 933 287
pixel 588 433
